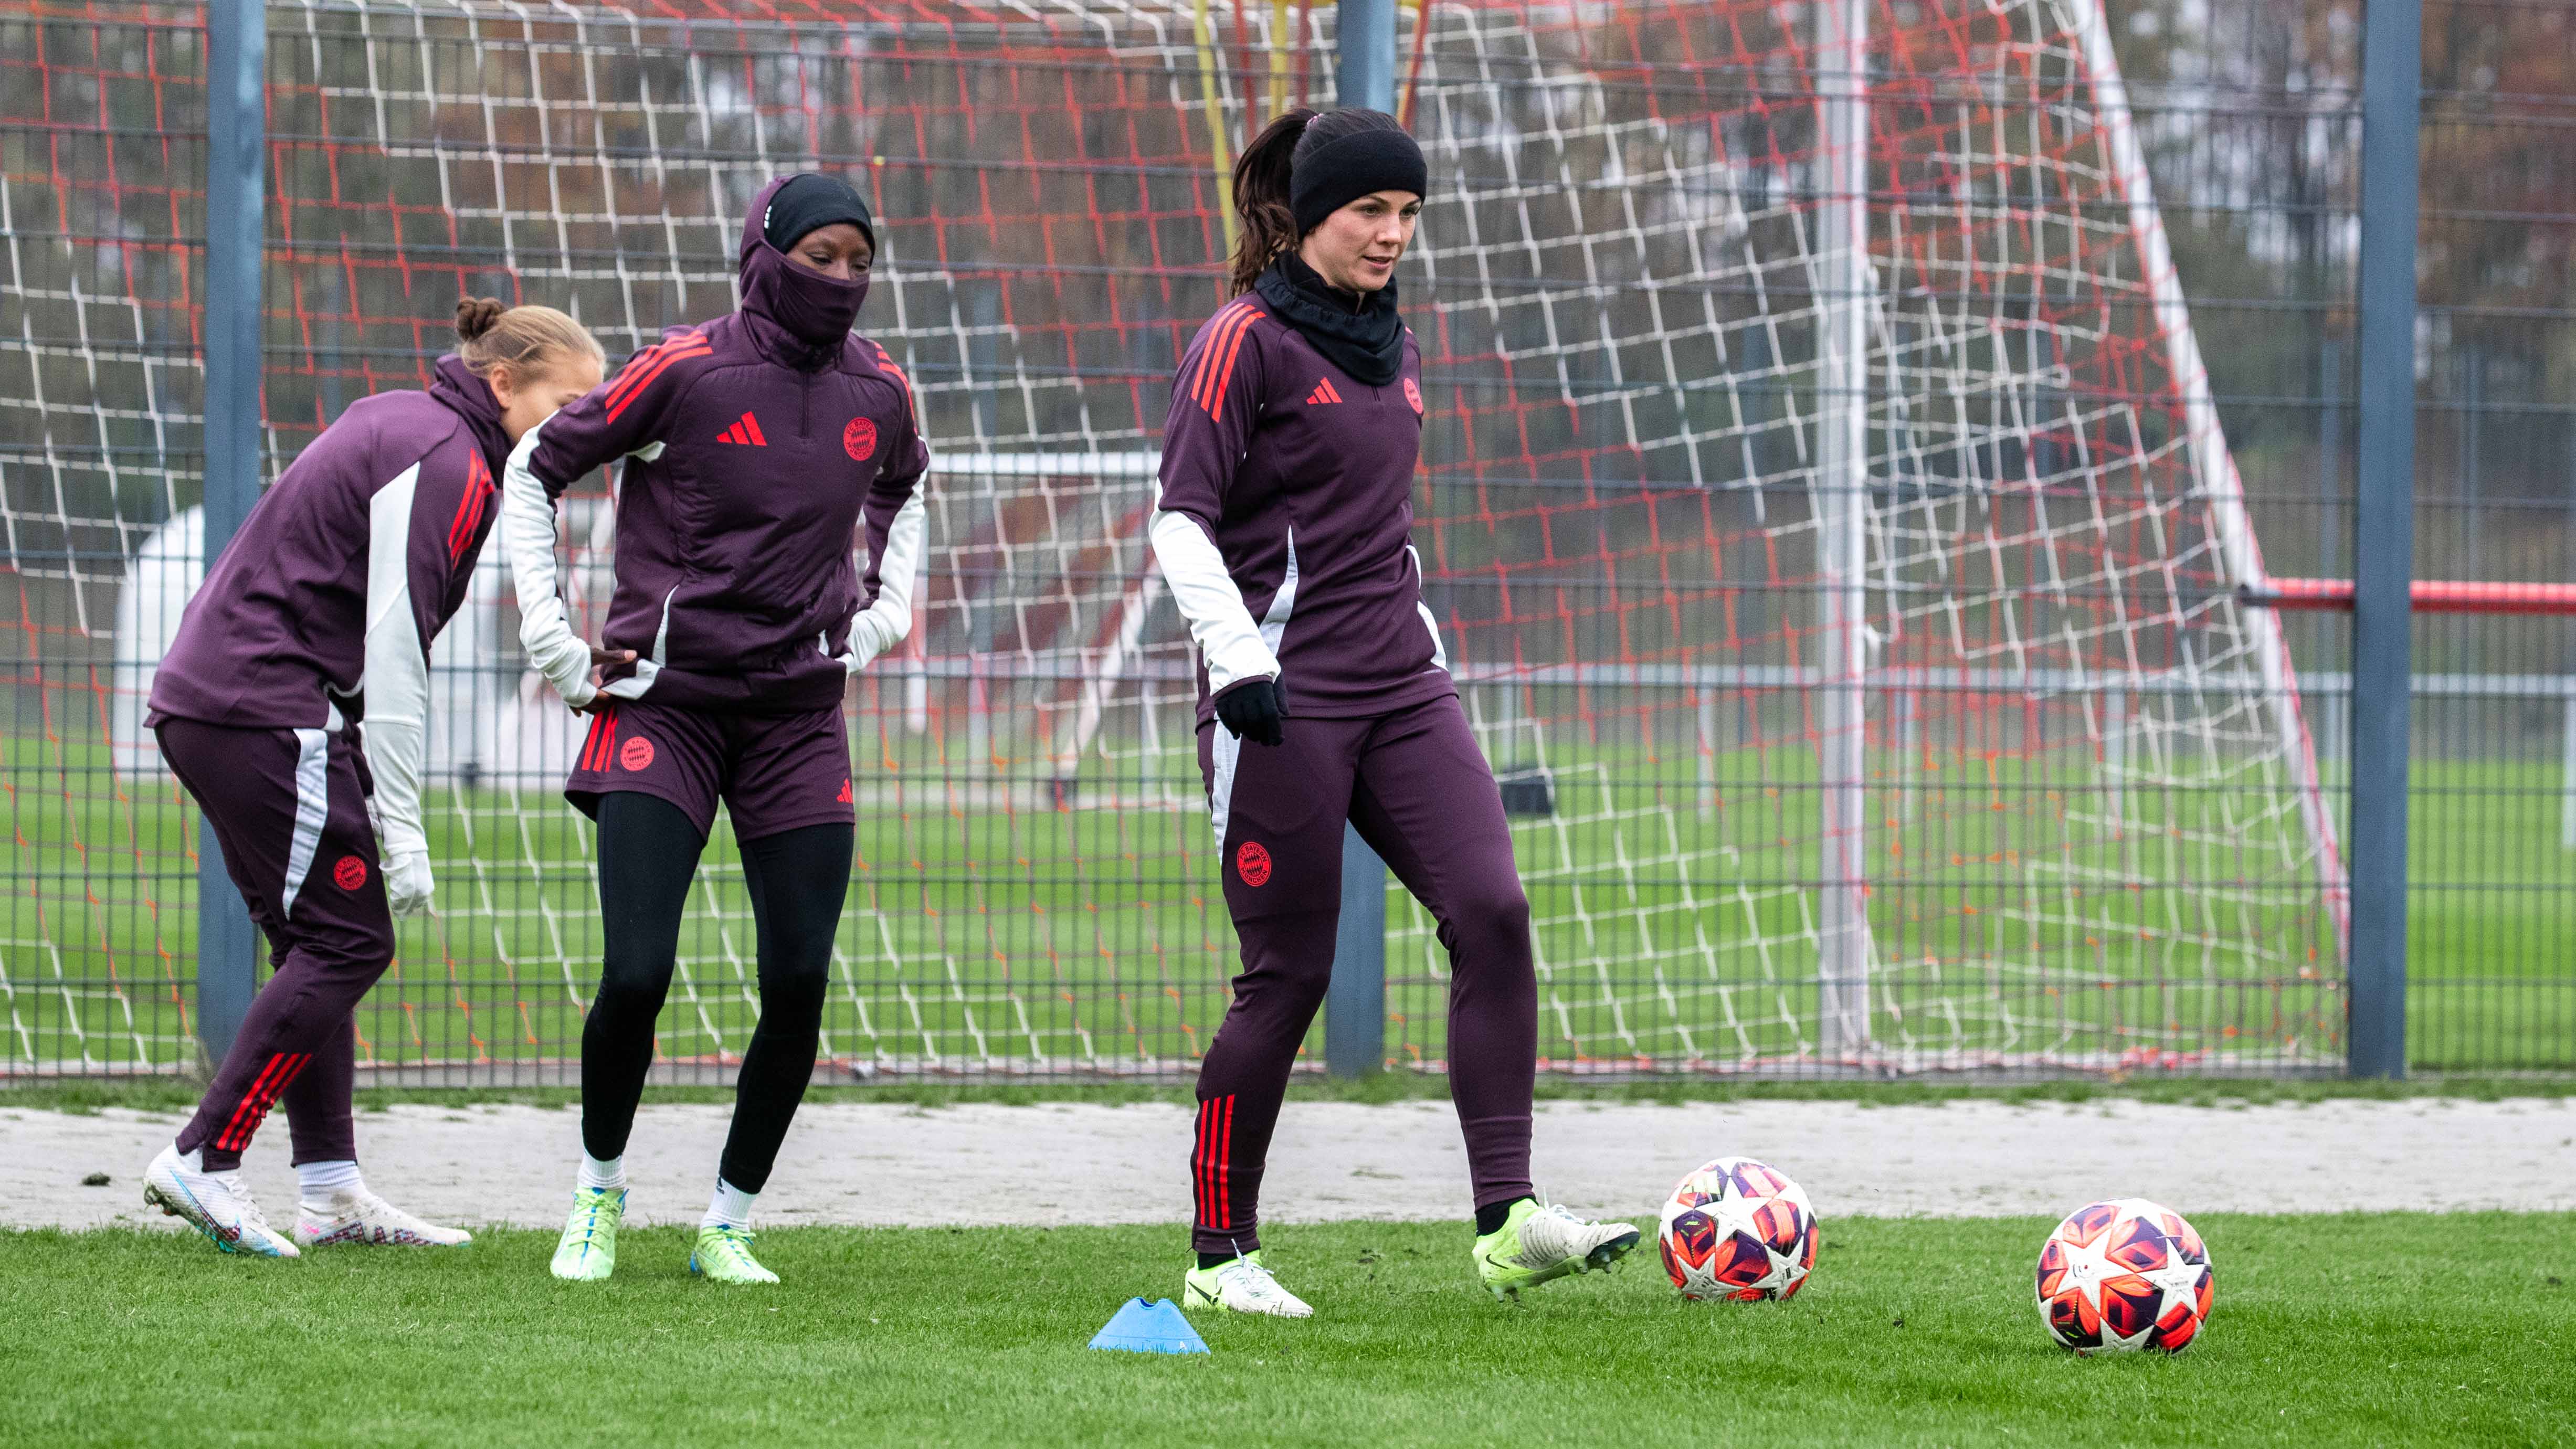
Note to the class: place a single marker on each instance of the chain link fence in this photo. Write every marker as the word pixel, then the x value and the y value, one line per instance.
pixel 1848 430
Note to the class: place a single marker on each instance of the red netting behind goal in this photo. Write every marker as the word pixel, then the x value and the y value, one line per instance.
pixel 2075 822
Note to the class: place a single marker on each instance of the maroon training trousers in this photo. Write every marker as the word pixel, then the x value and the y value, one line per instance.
pixel 1421 794
pixel 289 808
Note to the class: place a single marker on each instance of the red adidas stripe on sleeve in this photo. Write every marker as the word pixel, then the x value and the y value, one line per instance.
pixel 1233 346
pixel 649 365
pixel 885 362
pixel 469 509
pixel 1211 341
pixel 1216 360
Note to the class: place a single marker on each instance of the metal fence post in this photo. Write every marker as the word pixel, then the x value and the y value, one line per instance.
pixel 2567 770
pixel 1355 1003
pixel 2384 535
pixel 1843 1030
pixel 236 144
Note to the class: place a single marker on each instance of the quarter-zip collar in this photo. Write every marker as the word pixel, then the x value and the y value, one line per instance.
pixel 1360 333
pixel 467 395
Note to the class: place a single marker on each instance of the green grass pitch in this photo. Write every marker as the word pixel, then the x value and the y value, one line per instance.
pixel 2368 1329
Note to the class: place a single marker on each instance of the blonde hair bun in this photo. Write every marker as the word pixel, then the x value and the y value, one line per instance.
pixel 524 341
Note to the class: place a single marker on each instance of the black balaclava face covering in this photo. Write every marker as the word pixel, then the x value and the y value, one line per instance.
pixel 820 310
pixel 817 310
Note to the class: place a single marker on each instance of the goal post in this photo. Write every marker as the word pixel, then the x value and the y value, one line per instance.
pixel 2216 466
pixel 1822 505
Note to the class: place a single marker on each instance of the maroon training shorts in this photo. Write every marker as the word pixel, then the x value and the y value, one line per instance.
pixel 774 772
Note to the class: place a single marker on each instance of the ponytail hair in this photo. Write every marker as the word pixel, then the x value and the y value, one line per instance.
pixel 1261 196
pixel 1263 177
pixel 526 342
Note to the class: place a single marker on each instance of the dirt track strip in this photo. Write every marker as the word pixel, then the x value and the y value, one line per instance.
pixel 1093 1164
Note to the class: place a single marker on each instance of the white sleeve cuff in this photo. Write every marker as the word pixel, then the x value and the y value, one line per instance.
pixel 1219 623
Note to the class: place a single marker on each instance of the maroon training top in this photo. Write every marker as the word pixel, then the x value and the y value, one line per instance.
pixel 1303 475
pixel 745 483
pixel 277 635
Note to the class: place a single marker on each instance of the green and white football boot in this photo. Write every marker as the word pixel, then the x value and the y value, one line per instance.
pixel 723 1255
pixel 588 1251
pixel 1540 1243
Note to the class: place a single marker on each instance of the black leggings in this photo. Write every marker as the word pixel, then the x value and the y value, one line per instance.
pixel 798 880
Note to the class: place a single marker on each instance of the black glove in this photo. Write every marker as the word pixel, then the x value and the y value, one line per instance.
pixel 1253 711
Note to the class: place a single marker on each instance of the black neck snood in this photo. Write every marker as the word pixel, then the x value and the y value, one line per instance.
pixel 1358 332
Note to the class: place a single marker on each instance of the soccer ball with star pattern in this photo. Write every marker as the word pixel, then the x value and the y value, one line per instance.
pixel 1740 1229
pixel 2124 1276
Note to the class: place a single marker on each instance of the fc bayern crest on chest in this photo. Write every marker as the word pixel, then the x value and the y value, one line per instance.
pixel 859 439
pixel 1413 395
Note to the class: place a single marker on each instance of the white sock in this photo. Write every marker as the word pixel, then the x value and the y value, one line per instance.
pixel 610 1175
pixel 731 1208
pixel 319 1182
pixel 196 1162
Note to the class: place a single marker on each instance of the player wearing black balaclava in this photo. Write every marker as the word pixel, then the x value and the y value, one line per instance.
pixel 755 447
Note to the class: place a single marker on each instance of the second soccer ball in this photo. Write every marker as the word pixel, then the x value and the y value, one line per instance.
pixel 2122 1276
pixel 1737 1228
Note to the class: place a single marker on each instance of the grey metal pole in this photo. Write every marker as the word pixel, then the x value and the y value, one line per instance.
pixel 2384 535
pixel 236 145
pixel 1355 1003
pixel 1842 537
pixel 1364 66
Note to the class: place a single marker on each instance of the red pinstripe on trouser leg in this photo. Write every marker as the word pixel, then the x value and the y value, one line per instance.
pixel 257 1084
pixel 1225 1168
pixel 264 1091
pixel 1211 1172
pixel 1200 1205
pixel 268 1099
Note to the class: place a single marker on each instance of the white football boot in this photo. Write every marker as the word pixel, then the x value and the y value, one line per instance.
pixel 215 1204
pixel 363 1219
pixel 1241 1285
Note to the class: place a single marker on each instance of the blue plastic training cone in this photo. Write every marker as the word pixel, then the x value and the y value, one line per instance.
pixel 1142 1327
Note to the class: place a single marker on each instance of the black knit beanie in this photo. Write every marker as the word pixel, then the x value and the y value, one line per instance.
pixel 812 200
pixel 1342 170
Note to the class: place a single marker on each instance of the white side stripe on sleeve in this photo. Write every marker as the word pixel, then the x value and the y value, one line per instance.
pixel 1232 645
pixel 396 677
pixel 528 539
pixel 901 564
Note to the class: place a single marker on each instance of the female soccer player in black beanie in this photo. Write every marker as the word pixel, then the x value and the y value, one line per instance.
pixel 1284 527
pixel 753 448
